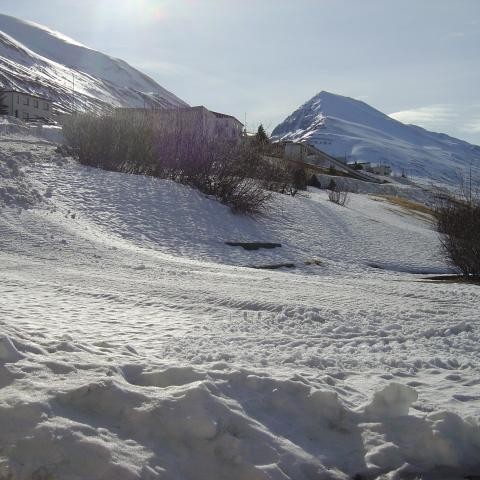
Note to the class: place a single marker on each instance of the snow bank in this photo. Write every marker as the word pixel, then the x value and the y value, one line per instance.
pixel 15 189
pixel 394 400
pixel 22 145
pixel 135 423
pixel 8 352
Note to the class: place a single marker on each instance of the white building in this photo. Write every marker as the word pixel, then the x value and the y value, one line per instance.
pixel 377 169
pixel 384 170
pixel 227 125
pixel 198 120
pixel 297 152
pixel 26 106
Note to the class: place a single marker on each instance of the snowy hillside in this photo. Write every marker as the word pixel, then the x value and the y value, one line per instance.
pixel 131 335
pixel 342 126
pixel 40 61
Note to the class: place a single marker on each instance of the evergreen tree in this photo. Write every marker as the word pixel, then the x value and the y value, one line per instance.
pixel 332 170
pixel 261 135
pixel 332 186
pixel 3 106
pixel 358 166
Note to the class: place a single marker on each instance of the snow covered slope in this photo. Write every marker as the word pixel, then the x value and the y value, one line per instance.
pixel 132 336
pixel 342 126
pixel 38 60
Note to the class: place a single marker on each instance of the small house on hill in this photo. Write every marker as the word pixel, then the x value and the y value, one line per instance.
pixel 26 106
pixel 380 169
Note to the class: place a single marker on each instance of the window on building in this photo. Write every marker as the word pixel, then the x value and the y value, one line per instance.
pixel 35 103
pixel 26 101
pixel 46 106
pixel 25 115
pixel 18 98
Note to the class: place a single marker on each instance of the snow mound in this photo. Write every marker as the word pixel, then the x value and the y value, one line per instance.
pixel 348 128
pixel 393 401
pixel 220 424
pixel 15 189
pixel 8 352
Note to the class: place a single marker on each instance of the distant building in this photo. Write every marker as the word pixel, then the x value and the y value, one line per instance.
pixel 380 169
pixel 195 120
pixel 227 125
pixel 302 152
pixel 367 166
pixel 296 151
pixel 26 106
pixel 384 170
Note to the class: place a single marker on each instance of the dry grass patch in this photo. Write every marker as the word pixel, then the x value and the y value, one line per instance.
pixel 411 206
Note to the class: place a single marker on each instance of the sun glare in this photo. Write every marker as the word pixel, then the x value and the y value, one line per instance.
pixel 144 10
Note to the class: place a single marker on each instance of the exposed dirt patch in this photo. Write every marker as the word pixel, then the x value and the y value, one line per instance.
pixel 254 245
pixel 453 279
pixel 274 266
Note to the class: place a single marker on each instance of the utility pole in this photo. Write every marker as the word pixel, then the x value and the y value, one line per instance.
pixel 73 92
pixel 470 184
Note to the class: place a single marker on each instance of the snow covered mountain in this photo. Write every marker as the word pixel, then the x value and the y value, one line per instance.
pixel 38 60
pixel 343 126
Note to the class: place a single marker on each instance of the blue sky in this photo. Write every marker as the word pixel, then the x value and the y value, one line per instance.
pixel 415 59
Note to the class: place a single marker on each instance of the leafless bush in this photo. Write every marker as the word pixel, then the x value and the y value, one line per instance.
pixel 281 176
pixel 337 194
pixel 458 220
pixel 143 143
pixel 116 142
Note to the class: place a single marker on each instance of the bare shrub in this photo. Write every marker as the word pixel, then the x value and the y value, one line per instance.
pixel 142 143
pixel 313 181
pixel 282 176
pixel 458 220
pixel 116 142
pixel 338 195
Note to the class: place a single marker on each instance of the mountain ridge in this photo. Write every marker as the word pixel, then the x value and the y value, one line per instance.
pixel 38 60
pixel 345 127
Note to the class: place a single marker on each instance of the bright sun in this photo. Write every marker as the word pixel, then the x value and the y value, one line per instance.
pixel 145 10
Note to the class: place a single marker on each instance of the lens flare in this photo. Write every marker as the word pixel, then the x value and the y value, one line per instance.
pixel 145 10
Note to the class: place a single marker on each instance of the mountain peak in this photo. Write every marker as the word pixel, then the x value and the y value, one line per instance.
pixel 42 61
pixel 343 126
pixel 16 28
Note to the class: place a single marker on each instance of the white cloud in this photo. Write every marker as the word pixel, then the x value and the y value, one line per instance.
pixel 473 127
pixel 461 121
pixel 429 116
pixel 456 35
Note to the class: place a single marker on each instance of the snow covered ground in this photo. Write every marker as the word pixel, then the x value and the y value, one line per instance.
pixel 135 344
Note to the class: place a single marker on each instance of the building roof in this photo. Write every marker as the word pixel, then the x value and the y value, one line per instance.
pixel 26 93
pixel 182 109
pixel 224 115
